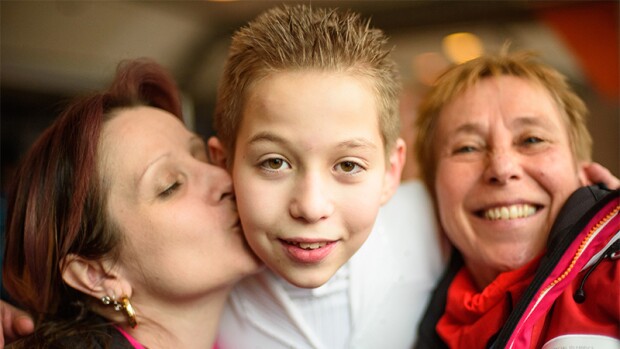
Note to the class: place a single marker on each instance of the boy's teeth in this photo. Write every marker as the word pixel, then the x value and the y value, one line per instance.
pixel 311 245
pixel 510 212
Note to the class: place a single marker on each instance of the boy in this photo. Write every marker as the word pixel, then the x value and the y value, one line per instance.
pixel 307 123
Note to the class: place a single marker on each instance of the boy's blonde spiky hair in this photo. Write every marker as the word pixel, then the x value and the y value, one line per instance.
pixel 298 38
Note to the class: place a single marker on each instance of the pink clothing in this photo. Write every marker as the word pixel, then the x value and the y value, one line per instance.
pixel 129 338
pixel 137 344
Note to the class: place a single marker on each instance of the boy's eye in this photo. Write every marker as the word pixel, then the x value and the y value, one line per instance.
pixel 275 164
pixel 348 167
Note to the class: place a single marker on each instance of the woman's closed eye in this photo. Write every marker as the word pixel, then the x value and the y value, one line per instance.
pixel 171 189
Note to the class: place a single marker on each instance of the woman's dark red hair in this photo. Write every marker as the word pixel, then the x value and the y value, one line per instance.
pixel 57 205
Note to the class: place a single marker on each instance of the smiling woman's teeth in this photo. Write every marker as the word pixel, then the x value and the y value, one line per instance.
pixel 510 212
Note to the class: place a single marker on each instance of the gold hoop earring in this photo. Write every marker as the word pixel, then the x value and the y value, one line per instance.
pixel 123 305
pixel 129 312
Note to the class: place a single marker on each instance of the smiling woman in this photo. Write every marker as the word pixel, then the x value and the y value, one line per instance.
pixel 522 138
pixel 505 185
pixel 119 231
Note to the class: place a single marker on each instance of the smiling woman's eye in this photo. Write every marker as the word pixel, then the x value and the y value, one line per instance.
pixel 274 164
pixel 464 149
pixel 532 140
pixel 169 190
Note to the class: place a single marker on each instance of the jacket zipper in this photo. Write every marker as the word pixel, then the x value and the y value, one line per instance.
pixel 584 243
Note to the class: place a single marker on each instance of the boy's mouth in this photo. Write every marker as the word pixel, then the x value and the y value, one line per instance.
pixel 306 245
pixel 308 252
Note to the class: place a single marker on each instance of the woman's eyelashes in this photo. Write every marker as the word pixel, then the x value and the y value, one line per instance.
pixel 464 149
pixel 469 147
pixel 531 140
pixel 170 182
pixel 169 190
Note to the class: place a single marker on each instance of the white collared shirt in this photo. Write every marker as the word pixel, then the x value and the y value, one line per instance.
pixel 375 301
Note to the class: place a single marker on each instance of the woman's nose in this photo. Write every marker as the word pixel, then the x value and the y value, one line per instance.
pixel 502 167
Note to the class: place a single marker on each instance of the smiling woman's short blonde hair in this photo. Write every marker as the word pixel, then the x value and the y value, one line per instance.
pixel 524 65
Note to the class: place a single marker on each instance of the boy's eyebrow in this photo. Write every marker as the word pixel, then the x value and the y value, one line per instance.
pixel 357 143
pixel 349 143
pixel 266 137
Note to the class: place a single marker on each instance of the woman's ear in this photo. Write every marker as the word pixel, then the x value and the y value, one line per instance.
pixel 97 278
pixel 217 152
pixel 594 173
pixel 582 174
pixel 394 171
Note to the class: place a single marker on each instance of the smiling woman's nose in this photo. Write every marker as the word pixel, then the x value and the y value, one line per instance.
pixel 310 200
pixel 502 167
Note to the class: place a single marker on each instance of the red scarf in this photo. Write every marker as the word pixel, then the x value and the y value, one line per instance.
pixel 471 317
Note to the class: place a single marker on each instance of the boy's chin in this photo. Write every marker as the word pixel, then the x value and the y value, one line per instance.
pixel 308 278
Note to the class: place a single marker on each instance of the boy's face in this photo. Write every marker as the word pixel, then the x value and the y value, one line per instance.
pixel 310 171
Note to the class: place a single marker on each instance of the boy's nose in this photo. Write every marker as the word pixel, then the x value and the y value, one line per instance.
pixel 502 167
pixel 311 200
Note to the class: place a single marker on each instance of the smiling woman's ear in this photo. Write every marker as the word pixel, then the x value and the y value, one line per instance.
pixel 594 173
pixel 217 152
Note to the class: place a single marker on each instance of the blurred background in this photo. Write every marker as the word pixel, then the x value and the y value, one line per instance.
pixel 53 50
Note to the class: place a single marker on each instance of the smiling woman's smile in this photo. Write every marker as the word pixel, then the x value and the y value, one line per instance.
pixel 508 146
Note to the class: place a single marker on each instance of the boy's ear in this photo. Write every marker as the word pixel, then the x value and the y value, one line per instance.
pixel 217 152
pixel 394 171
pixel 94 277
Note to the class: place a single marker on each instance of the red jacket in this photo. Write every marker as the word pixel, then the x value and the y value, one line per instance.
pixel 556 309
pixel 538 306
